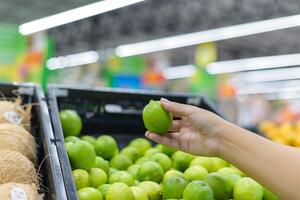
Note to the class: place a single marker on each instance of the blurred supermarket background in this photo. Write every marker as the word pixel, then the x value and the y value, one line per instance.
pixel 243 55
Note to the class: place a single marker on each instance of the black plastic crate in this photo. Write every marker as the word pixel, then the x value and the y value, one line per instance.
pixel 52 184
pixel 115 112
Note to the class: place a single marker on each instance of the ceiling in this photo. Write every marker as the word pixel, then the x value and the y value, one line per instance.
pixel 159 18
pixel 20 11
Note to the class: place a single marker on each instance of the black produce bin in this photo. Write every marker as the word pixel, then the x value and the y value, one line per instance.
pixel 116 112
pixel 51 184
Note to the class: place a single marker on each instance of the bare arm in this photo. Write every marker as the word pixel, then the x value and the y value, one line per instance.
pixel 203 133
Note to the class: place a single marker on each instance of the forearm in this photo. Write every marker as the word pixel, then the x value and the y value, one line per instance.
pixel 275 166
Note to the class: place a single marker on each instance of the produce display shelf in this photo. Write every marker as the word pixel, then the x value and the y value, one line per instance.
pixel 115 112
pixel 51 185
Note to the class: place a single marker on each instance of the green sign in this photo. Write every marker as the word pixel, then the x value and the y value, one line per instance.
pixel 12 43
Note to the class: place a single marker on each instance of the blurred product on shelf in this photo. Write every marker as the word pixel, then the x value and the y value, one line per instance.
pixel 287 133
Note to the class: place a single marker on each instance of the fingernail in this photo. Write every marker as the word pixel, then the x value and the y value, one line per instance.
pixel 164 100
pixel 147 134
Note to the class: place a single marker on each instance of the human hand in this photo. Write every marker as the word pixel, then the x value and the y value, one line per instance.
pixel 197 130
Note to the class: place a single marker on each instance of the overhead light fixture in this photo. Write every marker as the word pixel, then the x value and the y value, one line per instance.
pixel 284 96
pixel 272 90
pixel 267 75
pixel 73 60
pixel 267 89
pixel 73 15
pixel 217 34
pixel 184 71
pixel 257 63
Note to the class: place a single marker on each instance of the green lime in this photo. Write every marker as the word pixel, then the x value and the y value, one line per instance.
pixel 173 187
pixel 162 159
pixel 106 146
pixel 102 164
pixel 71 139
pixel 156 118
pixel 219 185
pixel 195 173
pixel 247 189
pixel 122 177
pixel 89 193
pixel 150 171
pixel 150 152
pixel 196 190
pixel 131 152
pixel 167 150
pixel 268 195
pixel 119 191
pixel 152 189
pixel 230 174
pixel 237 170
pixel 133 170
pixel 142 160
pixel 103 189
pixel 70 122
pixel 81 154
pixel 173 172
pixel 219 163
pixel 141 144
pixel 205 162
pixel 181 160
pixel 139 193
pixel 89 139
pixel 98 177
pixel 111 171
pixel 81 178
pixel 120 162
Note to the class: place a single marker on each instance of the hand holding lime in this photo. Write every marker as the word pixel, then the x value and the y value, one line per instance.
pixel 156 118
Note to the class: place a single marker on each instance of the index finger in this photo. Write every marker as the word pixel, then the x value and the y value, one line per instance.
pixel 177 109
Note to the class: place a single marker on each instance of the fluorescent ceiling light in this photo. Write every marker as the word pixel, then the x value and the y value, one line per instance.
pixel 73 15
pixel 284 96
pixel 267 75
pixel 257 63
pixel 183 71
pixel 272 90
pixel 267 89
pixel 208 36
pixel 73 60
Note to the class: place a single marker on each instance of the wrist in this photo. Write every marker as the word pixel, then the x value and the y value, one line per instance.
pixel 224 136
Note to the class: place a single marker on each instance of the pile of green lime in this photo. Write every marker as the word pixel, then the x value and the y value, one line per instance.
pixel 141 171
